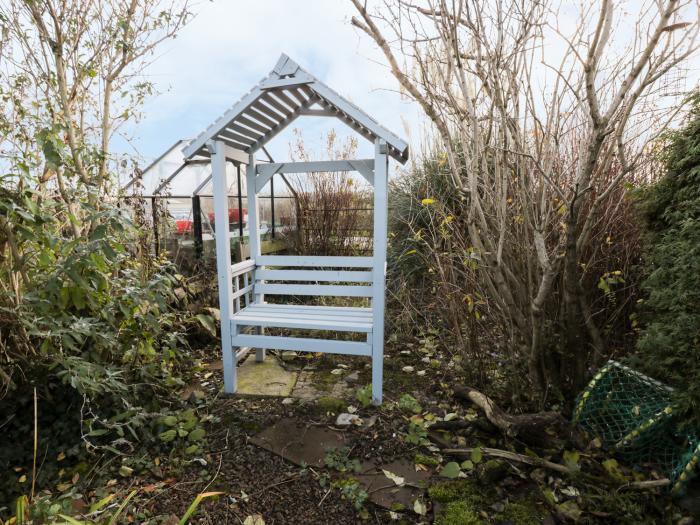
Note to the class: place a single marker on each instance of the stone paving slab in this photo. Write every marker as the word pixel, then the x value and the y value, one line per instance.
pixel 265 379
pixel 299 443
pixel 384 492
pixel 305 444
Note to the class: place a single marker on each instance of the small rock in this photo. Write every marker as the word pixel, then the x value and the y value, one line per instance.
pixel 498 506
pixel 287 401
pixel 407 369
pixel 344 419
pixel 289 355
pixel 420 373
pixel 353 377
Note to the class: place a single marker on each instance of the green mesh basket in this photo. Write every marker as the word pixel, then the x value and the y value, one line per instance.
pixel 633 415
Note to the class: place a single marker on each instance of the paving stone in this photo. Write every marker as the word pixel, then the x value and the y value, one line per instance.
pixel 383 492
pixel 265 379
pixel 299 443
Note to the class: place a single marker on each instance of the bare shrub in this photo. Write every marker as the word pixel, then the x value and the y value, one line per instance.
pixel 541 125
pixel 334 210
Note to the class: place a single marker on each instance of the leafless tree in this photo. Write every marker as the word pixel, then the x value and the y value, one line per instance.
pixel 537 105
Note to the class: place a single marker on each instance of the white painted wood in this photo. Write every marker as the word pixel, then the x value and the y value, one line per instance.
pixel 362 118
pixel 317 290
pixel 303 344
pixel 242 292
pixel 381 166
pixel 254 233
pixel 197 144
pixel 276 83
pixel 280 315
pixel 315 275
pixel 316 113
pixel 282 125
pixel 320 261
pixel 314 166
pixel 223 262
pixel 243 267
pixel 300 84
pixel 236 155
pixel 286 93
pixel 300 322
pixel 332 310
pixel 261 117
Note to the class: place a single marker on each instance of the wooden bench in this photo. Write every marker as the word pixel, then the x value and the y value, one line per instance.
pixel 286 277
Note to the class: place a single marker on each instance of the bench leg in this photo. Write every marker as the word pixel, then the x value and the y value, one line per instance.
pixel 260 352
pixel 229 359
pixel 377 342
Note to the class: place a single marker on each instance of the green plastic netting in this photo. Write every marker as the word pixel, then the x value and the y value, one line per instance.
pixel 633 415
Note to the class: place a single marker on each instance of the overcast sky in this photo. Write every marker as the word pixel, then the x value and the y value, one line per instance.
pixel 231 45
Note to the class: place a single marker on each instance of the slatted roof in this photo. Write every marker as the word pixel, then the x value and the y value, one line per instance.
pixel 276 101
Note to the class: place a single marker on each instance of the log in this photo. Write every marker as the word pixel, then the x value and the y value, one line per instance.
pixel 540 429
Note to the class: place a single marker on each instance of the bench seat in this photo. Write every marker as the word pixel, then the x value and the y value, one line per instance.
pixel 336 318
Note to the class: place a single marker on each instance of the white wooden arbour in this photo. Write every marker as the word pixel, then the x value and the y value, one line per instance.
pixel 285 94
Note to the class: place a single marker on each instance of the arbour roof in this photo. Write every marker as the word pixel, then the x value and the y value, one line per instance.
pixel 276 101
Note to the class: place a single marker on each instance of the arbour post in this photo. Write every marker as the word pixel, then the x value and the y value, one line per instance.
pixel 223 261
pixel 381 167
pixel 254 232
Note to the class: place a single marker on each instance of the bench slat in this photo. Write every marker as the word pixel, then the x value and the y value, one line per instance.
pixel 302 322
pixel 313 289
pixel 301 344
pixel 293 309
pixel 314 275
pixel 315 261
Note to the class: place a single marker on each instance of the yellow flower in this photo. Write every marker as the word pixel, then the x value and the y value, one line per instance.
pixel 427 202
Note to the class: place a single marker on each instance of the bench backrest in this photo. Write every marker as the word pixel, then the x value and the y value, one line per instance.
pixel 316 276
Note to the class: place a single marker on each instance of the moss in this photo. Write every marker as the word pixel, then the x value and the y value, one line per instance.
pixel 331 404
pixel 426 460
pixel 464 490
pixel 492 471
pixel 458 513
pixel 521 512
pixel 399 378
pixel 251 426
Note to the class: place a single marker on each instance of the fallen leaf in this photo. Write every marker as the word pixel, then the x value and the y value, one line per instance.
pixel 254 519
pixel 451 470
pixel 420 508
pixel 476 455
pixel 570 510
pixel 398 480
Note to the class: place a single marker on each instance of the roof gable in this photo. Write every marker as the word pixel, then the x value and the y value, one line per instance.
pixel 287 93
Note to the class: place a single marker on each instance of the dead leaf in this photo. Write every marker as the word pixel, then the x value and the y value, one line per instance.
pixel 254 519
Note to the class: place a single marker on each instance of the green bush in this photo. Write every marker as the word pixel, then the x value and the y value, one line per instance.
pixel 669 343
pixel 92 329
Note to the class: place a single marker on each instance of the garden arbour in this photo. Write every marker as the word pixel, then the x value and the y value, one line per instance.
pixel 287 93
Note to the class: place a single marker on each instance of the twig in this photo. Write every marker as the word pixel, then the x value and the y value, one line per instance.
pixel 512 456
pixel 324 497
pixel 644 485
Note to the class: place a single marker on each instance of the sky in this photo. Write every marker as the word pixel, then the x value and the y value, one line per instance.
pixel 232 44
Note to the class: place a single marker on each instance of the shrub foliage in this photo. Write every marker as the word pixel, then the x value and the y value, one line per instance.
pixel 669 344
